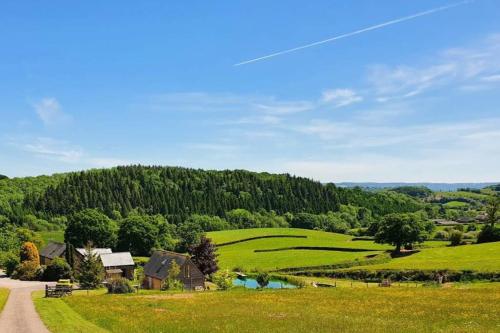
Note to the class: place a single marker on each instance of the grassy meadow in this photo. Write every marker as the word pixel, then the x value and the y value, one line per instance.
pixel 478 257
pixel 4 294
pixel 243 255
pixel 55 236
pixel 301 310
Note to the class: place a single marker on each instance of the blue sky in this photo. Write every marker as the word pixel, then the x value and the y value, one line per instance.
pixel 103 83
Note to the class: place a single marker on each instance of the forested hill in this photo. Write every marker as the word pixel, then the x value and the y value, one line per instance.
pixel 178 192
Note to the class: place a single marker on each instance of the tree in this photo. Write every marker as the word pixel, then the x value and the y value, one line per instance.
pixel 90 271
pixel 492 210
pixel 204 257
pixel 456 237
pixel 137 235
pixel 223 280
pixel 172 282
pixel 70 255
pixel 29 252
pixel 401 230
pixel 189 234
pixel 263 279
pixel 90 225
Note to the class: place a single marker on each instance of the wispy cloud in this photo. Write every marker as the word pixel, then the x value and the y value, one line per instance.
pixel 356 32
pixel 475 66
pixel 50 111
pixel 340 97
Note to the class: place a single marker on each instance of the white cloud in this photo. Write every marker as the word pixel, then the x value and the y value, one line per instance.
pixel 49 111
pixel 340 97
pixel 459 66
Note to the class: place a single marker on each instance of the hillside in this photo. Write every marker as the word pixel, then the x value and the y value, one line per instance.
pixel 178 192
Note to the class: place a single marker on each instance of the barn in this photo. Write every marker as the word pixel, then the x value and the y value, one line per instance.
pixel 156 271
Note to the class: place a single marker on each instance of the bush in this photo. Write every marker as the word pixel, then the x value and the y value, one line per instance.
pixel 262 279
pixel 489 234
pixel 29 252
pixel 470 235
pixel 9 262
pixel 58 269
pixel 119 286
pixel 223 280
pixel 28 271
pixel 441 234
pixel 456 238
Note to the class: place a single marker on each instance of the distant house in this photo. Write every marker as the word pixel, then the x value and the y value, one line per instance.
pixel 444 222
pixel 118 264
pixel 156 270
pixel 51 251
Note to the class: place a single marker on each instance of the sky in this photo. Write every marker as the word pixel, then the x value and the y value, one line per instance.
pixel 400 97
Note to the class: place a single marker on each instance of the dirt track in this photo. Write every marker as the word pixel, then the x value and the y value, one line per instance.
pixel 19 314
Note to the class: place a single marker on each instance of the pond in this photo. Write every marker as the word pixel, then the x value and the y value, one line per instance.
pixel 252 284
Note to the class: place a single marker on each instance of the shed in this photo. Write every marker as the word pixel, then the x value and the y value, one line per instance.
pixel 51 251
pixel 156 270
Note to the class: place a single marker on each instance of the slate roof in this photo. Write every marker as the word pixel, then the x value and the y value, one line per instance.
pixel 53 250
pixel 160 262
pixel 97 251
pixel 117 259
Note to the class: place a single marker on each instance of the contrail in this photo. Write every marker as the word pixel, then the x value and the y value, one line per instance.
pixel 357 32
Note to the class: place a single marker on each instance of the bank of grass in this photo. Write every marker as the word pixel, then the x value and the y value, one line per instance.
pixel 59 317
pixel 302 310
pixel 4 294
pixel 478 257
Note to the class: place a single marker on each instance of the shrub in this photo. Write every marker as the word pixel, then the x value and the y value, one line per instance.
pixel 456 238
pixel 172 283
pixel 58 269
pixel 223 280
pixel 470 235
pixel 27 271
pixel 441 234
pixel 489 234
pixel 10 261
pixel 29 252
pixel 119 286
pixel 262 279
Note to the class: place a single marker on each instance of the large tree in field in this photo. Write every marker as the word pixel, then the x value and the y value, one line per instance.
pixel 492 210
pixel 204 257
pixel 401 230
pixel 90 225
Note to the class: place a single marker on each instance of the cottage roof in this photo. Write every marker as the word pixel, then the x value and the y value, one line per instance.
pixel 117 259
pixel 53 250
pixel 97 251
pixel 161 261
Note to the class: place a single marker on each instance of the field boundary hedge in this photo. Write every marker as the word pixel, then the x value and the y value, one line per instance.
pixel 368 260
pixel 259 237
pixel 405 275
pixel 320 248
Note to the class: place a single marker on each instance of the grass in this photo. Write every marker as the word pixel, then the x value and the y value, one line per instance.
pixel 243 255
pixel 55 236
pixel 302 310
pixel 477 257
pixel 4 294
pixel 59 317
pixel 455 204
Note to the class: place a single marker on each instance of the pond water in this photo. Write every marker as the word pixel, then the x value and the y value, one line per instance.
pixel 252 284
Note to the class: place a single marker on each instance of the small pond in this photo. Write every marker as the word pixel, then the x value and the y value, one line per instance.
pixel 252 284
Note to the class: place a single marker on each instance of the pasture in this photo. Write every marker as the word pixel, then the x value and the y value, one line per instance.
pixel 317 248
pixel 478 257
pixel 301 310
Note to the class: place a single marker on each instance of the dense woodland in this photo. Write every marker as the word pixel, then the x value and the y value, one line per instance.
pixel 179 192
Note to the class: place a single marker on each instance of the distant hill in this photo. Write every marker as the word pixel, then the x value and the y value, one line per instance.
pixel 431 186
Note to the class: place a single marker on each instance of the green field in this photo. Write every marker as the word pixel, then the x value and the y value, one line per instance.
pixel 455 204
pixel 477 257
pixel 243 255
pixel 4 294
pixel 56 236
pixel 302 310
